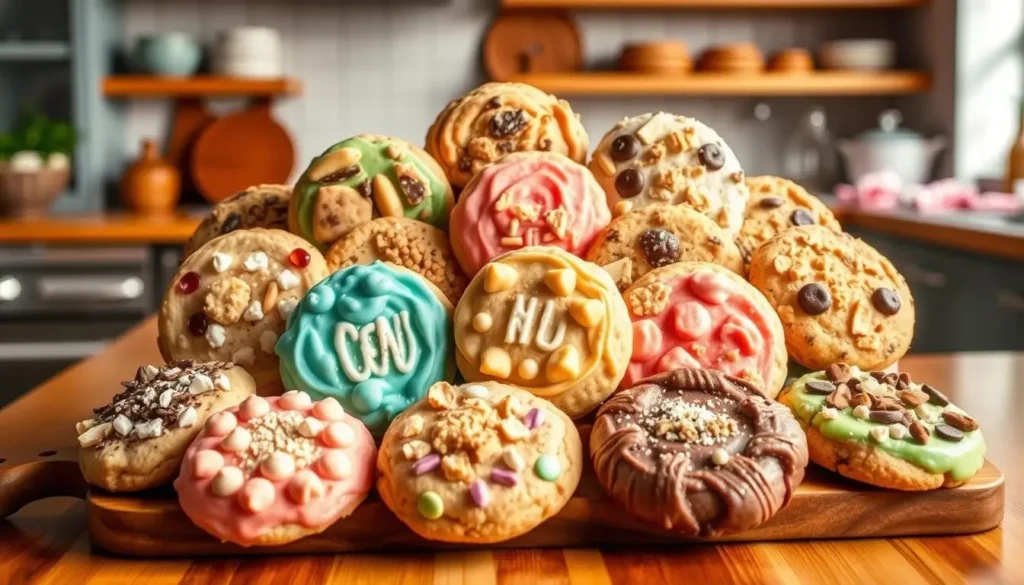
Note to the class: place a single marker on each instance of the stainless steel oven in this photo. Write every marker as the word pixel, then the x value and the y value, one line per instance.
pixel 60 304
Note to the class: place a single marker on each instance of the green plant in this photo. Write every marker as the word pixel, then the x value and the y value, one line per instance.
pixel 35 131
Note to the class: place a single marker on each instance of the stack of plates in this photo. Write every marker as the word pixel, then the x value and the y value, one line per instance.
pixel 249 52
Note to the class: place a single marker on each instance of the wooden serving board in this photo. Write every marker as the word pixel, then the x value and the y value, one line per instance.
pixel 825 506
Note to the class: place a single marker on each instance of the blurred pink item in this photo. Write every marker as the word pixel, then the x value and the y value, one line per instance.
pixel 884 190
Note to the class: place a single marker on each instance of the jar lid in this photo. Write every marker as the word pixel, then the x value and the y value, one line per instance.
pixel 888 129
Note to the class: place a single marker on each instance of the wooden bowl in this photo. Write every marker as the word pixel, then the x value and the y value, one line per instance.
pixel 31 193
pixel 791 60
pixel 656 57
pixel 732 58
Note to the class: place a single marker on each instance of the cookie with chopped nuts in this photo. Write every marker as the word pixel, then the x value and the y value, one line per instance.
pixel 885 429
pixel 698 453
pixel 775 205
pixel 498 118
pixel 273 470
pixel 837 297
pixel 478 463
pixel 136 442
pixel 701 315
pixel 259 206
pixel 364 177
pixel 659 235
pixel 527 199
pixel 408 243
pixel 661 159
pixel 548 322
pixel 230 300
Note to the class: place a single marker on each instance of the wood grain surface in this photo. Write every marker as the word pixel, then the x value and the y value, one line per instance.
pixel 47 541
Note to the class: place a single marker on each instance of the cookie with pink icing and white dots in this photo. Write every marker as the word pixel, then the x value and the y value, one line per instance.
pixel 701 315
pixel 274 470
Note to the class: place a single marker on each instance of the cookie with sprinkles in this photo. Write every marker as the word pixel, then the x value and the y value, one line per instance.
pixel 548 322
pixel 478 463
pixel 231 299
pixel 698 453
pixel 273 470
pixel 136 442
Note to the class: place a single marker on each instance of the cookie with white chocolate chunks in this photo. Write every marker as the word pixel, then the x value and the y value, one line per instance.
pixel 658 235
pixel 658 159
pixel 547 321
pixel 885 429
pixel 231 299
pixel 137 441
pixel 364 177
pixel 698 453
pixel 259 206
pixel 273 470
pixel 478 463
pixel 405 242
pixel 838 298
pixel 498 118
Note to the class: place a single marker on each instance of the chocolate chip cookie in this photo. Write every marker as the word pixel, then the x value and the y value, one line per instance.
pixel 259 206
pixel 659 235
pixel 838 298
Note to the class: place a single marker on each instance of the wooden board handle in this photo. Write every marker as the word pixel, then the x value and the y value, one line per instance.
pixel 35 476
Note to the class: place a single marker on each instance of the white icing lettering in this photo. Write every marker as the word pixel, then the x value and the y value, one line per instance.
pixel 380 344
pixel 521 320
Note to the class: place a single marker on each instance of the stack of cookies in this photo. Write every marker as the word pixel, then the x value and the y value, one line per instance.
pixel 314 337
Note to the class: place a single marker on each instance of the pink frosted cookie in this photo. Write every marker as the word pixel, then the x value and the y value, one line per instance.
pixel 273 470
pixel 700 315
pixel 527 199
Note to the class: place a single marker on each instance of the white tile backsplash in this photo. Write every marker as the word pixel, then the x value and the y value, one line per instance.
pixel 390 67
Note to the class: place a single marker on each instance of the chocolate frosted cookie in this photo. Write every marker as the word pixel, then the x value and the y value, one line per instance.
pixel 498 118
pixel 698 453
pixel 657 159
pixel 260 206
pixel 775 205
pixel 659 235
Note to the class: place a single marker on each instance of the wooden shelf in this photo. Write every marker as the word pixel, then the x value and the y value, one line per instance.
pixel 730 4
pixel 109 228
pixel 764 84
pixel 34 50
pixel 202 85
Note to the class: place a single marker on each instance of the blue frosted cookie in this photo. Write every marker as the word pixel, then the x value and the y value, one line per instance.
pixel 373 337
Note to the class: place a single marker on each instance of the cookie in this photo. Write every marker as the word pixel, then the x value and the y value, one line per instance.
pixel 408 243
pixel 479 463
pixel 230 300
pixel 498 118
pixel 364 177
pixel 775 205
pixel 260 206
pixel 374 337
pixel 698 453
pixel 273 470
pixel 885 429
pixel 661 158
pixel 659 235
pixel 544 320
pixel 838 298
pixel 700 315
pixel 137 441
pixel 527 199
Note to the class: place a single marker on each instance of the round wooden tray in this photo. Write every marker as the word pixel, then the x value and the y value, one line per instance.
pixel 532 42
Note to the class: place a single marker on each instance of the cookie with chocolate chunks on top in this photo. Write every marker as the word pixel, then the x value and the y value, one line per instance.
pixel 839 299
pixel 885 429
pixel 478 463
pixel 259 206
pixel 547 321
pixel 659 235
pixel 698 453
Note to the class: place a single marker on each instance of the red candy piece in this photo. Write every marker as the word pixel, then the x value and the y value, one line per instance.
pixel 188 283
pixel 197 324
pixel 299 258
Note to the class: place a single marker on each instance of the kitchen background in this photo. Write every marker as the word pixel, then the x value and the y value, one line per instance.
pixel 390 66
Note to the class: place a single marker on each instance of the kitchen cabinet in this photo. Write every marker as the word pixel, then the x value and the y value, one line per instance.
pixel 964 301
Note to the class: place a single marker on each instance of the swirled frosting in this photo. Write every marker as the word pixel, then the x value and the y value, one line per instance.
pixel 373 337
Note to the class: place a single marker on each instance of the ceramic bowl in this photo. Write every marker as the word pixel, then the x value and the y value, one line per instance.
pixel 168 54
pixel 859 54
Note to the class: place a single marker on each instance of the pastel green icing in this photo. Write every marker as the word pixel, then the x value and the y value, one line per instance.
pixel 961 460
pixel 434 209
pixel 372 337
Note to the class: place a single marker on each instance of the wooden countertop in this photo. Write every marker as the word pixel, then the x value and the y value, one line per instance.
pixel 99 229
pixel 46 541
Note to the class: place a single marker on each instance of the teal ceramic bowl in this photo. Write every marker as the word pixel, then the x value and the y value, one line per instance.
pixel 168 54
